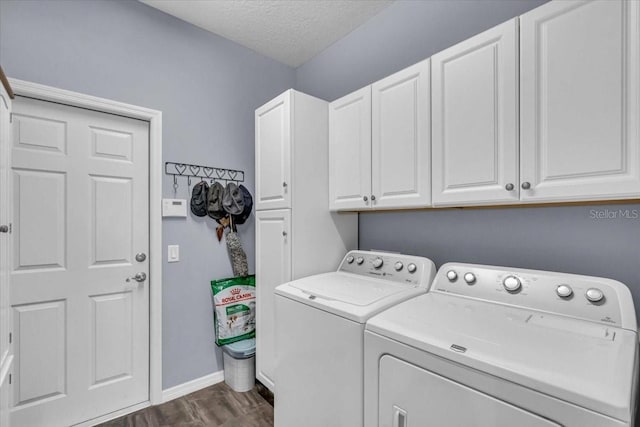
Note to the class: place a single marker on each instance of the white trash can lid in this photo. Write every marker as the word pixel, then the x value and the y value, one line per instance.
pixel 241 349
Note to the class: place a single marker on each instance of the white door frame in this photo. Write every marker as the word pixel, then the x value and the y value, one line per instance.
pixel 154 117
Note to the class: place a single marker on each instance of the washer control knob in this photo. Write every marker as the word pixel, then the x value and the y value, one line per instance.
pixel 359 260
pixel 377 263
pixel 411 268
pixel 350 259
pixel 564 291
pixel 512 283
pixel 594 295
pixel 398 266
pixel 470 278
pixel 452 276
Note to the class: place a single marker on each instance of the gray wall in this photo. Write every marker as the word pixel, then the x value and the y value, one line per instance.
pixel 207 88
pixel 566 239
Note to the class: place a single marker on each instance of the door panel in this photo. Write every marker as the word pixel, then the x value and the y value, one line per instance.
pixel 111 343
pixel 273 153
pixel 410 396
pixel 401 139
pixel 581 100
pixel 111 204
pixel 475 119
pixel 81 212
pixel 41 134
pixel 39 240
pixel 273 267
pixel 41 365
pixel 350 151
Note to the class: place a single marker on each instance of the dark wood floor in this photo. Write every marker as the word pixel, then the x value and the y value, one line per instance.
pixel 217 405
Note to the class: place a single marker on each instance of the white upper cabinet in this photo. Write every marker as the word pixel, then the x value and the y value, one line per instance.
pixel 400 139
pixel 350 151
pixel 475 119
pixel 273 153
pixel 580 101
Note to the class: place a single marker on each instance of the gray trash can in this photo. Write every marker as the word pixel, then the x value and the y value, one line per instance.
pixel 240 364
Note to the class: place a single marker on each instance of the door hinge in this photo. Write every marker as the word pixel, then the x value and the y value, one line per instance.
pixel 10 378
pixel 10 117
pixel 10 228
pixel 10 337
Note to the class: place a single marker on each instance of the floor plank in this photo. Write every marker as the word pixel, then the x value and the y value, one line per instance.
pixel 215 406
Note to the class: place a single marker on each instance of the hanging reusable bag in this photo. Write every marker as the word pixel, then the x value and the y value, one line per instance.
pixel 235 308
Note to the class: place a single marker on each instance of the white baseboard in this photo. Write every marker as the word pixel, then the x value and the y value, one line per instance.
pixel 113 415
pixel 191 386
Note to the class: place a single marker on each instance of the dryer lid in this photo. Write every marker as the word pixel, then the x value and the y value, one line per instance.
pixel 585 363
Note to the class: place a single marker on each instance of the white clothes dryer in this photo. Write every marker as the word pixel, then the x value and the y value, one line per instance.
pixel 320 335
pixel 503 347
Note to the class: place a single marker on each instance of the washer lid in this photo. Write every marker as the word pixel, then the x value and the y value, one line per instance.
pixel 348 295
pixel 582 362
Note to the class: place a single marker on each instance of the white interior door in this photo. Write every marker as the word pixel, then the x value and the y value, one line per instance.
pixel 580 101
pixel 273 153
pixel 475 119
pixel 350 151
pixel 401 139
pixel 80 209
pixel 6 356
pixel 273 268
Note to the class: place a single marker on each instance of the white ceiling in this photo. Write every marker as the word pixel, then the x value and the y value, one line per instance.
pixel 289 31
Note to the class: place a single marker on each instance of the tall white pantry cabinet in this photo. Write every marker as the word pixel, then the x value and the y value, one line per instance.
pixel 296 235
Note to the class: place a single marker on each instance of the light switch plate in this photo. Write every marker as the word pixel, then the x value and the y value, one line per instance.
pixel 174 208
pixel 173 253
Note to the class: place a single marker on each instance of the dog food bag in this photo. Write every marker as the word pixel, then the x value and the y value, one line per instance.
pixel 235 309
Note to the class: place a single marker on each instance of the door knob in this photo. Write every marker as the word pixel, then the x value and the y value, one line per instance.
pixel 509 187
pixel 526 185
pixel 4 228
pixel 139 277
pixel 141 256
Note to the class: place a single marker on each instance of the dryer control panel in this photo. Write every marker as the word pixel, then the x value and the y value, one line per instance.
pixel 590 298
pixel 412 270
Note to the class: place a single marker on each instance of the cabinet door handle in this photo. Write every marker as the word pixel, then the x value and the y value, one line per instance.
pixel 526 185
pixel 284 185
pixel 284 234
pixel 365 198
pixel 373 198
pixel 509 187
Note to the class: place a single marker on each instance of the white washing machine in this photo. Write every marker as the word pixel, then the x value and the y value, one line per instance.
pixel 320 335
pixel 503 347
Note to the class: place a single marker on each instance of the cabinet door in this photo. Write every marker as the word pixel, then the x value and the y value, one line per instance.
pixel 273 267
pixel 350 151
pixel 401 138
pixel 475 119
pixel 273 153
pixel 580 101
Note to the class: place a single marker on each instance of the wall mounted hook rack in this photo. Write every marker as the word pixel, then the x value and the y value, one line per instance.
pixel 202 172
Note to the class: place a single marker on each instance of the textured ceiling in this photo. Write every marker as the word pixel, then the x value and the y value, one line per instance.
pixel 289 31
